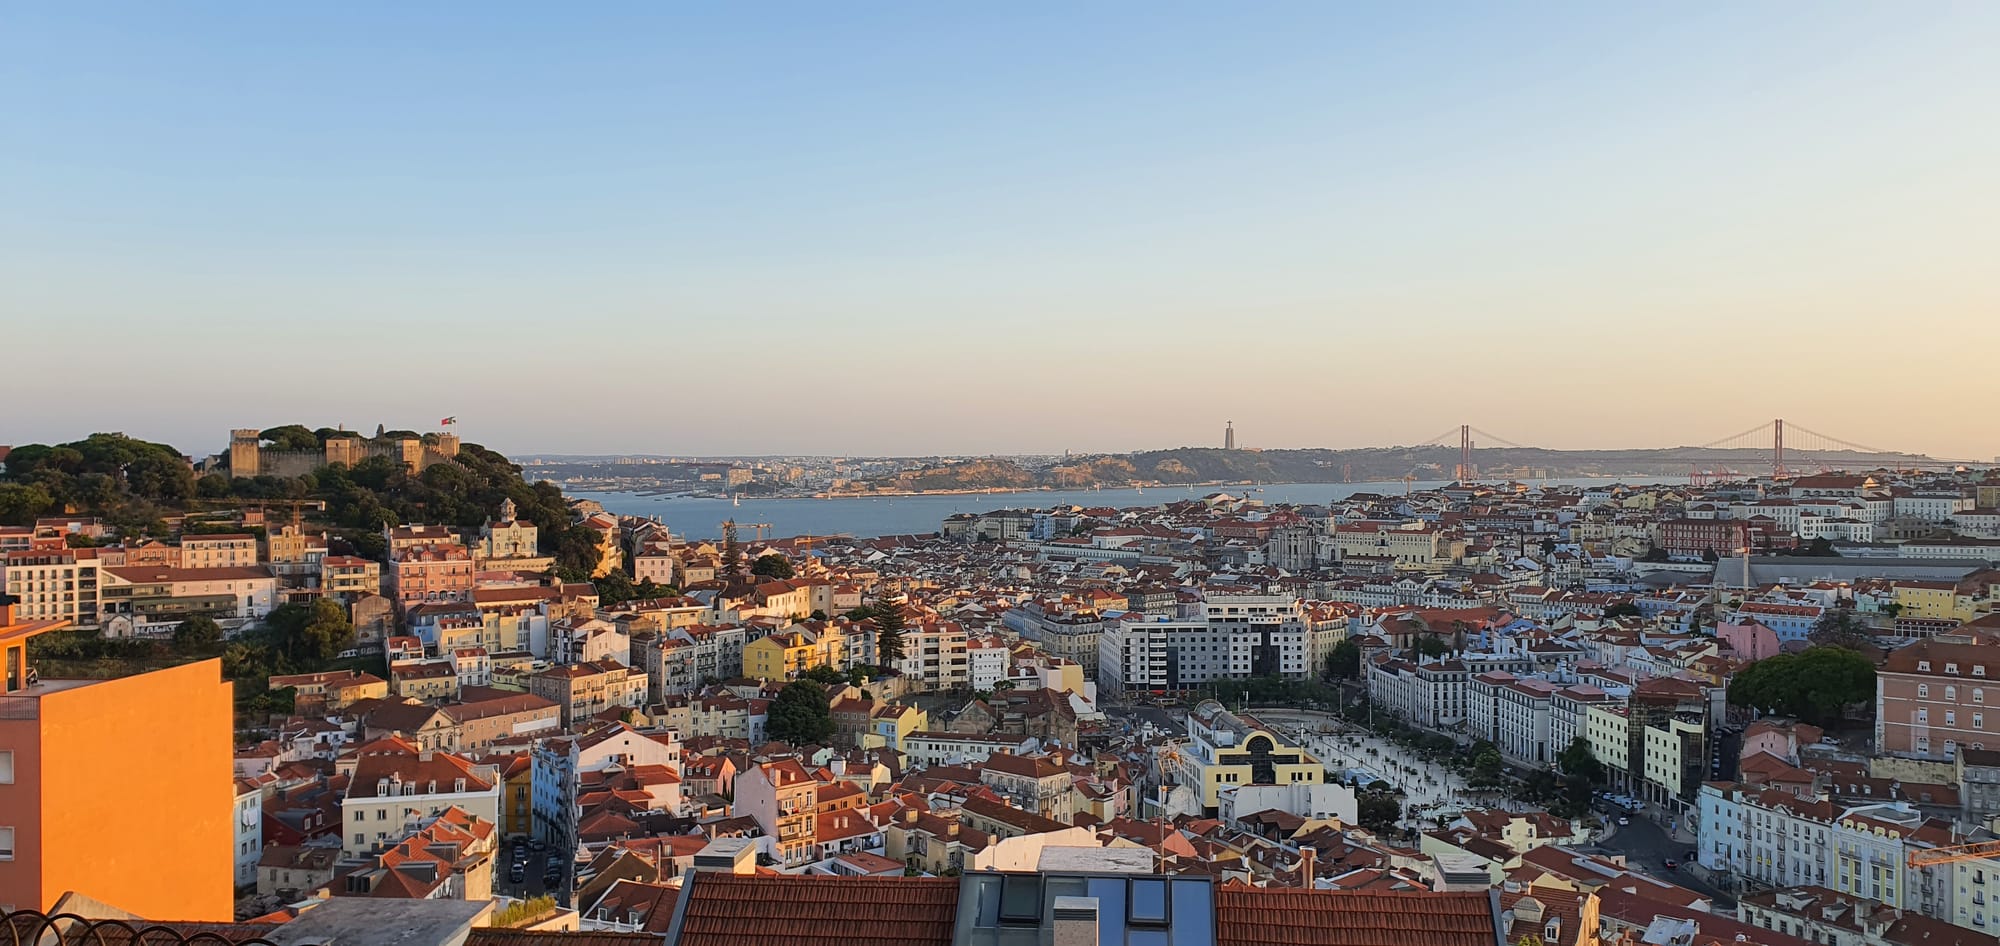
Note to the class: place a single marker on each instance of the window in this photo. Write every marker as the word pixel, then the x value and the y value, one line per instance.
pixel 6 766
pixel 1923 666
pixel 6 844
pixel 1951 693
pixel 1923 691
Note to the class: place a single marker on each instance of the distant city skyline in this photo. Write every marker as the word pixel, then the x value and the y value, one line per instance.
pixel 899 230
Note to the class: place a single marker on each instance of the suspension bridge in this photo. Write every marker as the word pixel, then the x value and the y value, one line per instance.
pixel 1787 449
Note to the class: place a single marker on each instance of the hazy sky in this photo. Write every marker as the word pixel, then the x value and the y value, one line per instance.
pixel 1002 227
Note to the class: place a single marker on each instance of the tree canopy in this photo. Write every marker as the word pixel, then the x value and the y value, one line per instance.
pixel 128 482
pixel 800 715
pixel 1816 684
pixel 888 635
pixel 197 634
pixel 1344 662
pixel 772 565
pixel 1576 759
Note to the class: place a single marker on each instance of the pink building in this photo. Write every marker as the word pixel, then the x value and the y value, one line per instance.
pixel 1750 640
pixel 430 574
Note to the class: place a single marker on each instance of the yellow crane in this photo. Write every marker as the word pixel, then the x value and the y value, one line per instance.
pixel 1931 857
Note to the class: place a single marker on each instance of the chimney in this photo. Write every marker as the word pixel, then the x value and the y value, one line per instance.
pixel 1308 863
pixel 1074 922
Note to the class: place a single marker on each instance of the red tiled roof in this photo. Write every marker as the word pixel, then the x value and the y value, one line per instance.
pixel 729 910
pixel 1285 916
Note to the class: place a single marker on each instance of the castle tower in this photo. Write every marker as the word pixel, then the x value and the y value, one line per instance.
pixel 245 457
pixel 1229 435
pixel 507 510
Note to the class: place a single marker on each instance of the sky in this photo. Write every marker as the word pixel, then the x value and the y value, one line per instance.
pixel 925 228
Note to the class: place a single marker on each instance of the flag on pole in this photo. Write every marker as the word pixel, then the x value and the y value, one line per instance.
pixel 448 422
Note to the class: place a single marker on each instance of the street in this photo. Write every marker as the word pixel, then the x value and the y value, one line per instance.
pixel 1351 748
pixel 531 884
pixel 1647 848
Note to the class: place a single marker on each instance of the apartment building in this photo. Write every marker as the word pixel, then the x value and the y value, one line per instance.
pixel 219 551
pixel 53 584
pixel 349 576
pixel 1931 699
pixel 934 655
pixel 393 785
pixel 83 761
pixel 429 574
pixel 783 799
pixel 584 690
pixel 153 601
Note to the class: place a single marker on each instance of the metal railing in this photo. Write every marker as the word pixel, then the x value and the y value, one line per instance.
pixel 30 928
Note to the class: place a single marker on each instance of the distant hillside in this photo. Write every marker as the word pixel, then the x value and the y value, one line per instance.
pixel 1362 465
pixel 138 486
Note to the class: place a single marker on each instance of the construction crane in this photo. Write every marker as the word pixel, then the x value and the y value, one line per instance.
pixel 760 527
pixel 1931 857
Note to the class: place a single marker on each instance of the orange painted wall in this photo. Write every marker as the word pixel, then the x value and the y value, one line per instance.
pixel 20 881
pixel 137 793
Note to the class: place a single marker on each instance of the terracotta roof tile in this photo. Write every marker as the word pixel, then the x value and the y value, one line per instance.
pixel 1272 916
pixel 729 910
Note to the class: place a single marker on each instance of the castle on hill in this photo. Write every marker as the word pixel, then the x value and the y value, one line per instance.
pixel 250 456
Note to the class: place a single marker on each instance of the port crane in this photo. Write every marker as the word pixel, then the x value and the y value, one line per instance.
pixel 1931 857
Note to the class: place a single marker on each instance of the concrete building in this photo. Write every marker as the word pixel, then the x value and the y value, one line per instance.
pixel 394 785
pixel 87 761
pixel 145 601
pixel 1931 699
pixel 1226 750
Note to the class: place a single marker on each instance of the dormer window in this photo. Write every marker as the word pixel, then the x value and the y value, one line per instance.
pixel 1923 666
pixel 1951 668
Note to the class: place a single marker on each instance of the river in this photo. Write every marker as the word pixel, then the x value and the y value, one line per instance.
pixel 901 515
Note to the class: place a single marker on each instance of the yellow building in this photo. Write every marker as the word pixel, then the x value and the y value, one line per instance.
pixel 892 723
pixel 1928 599
pixel 788 653
pixel 1225 750
pixel 1607 728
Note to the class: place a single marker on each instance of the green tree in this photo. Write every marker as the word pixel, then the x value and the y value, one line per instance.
pixel 577 553
pixel 732 553
pixel 197 634
pixel 772 565
pixel 889 626
pixel 1430 645
pixel 1838 628
pixel 1378 811
pixel 309 636
pixel 799 715
pixel 1624 609
pixel 1344 662
pixel 1488 768
pixel 1816 684
pixel 290 437
pixel 20 503
pixel 825 676
pixel 1577 760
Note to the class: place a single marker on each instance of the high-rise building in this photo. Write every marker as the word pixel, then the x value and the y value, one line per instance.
pixel 119 789
pixel 1229 435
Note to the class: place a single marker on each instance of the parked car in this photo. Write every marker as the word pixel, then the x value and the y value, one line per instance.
pixel 518 873
pixel 1671 865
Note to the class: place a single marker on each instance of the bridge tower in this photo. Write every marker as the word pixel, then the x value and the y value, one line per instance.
pixel 1778 449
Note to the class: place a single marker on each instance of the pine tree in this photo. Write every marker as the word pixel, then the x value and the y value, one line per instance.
pixel 732 555
pixel 889 636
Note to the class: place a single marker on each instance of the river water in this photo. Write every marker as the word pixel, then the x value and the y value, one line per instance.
pixel 900 515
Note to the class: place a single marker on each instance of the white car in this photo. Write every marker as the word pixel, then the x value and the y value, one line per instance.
pixel 1623 821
